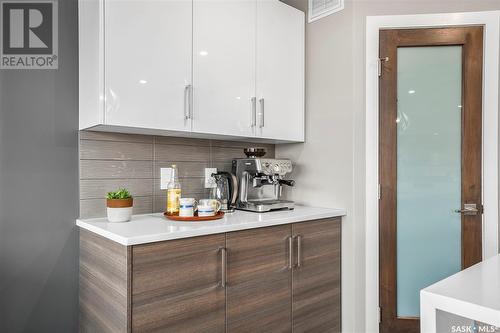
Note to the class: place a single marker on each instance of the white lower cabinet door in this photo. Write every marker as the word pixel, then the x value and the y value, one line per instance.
pixel 280 71
pixel 148 53
pixel 224 66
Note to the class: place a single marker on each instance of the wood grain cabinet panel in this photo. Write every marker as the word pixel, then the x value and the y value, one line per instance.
pixel 259 280
pixel 103 285
pixel 176 286
pixel 316 277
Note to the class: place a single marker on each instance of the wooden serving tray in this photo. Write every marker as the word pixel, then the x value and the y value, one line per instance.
pixel 195 218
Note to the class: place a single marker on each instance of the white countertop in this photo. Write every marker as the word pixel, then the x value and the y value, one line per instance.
pixel 150 228
pixel 473 293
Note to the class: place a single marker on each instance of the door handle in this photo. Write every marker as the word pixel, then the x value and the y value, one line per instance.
pixel 262 123
pixel 187 102
pixel 299 251
pixel 223 252
pixel 290 252
pixel 469 209
pixel 253 121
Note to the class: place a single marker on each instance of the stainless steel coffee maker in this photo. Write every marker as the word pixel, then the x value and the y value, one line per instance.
pixel 261 181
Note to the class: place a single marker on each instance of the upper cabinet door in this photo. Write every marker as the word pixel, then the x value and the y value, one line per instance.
pixel 224 66
pixel 280 71
pixel 148 68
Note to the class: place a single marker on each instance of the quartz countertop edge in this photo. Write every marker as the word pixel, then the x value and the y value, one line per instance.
pixel 149 228
pixel 472 293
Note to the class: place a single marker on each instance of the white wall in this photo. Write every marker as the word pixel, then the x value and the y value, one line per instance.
pixel 330 165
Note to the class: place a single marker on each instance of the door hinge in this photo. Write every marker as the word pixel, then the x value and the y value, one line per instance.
pixel 379 314
pixel 379 192
pixel 380 61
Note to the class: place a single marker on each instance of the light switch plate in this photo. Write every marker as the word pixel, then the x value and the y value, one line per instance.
pixel 165 175
pixel 209 180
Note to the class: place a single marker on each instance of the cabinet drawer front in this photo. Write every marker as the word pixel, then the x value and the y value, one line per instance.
pixel 259 281
pixel 316 282
pixel 176 286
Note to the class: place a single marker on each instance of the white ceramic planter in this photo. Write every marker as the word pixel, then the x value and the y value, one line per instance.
pixel 119 214
pixel 119 210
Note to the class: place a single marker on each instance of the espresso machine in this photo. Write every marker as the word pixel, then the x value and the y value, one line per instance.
pixel 261 181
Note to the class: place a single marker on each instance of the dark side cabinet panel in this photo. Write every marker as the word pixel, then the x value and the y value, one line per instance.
pixel 176 286
pixel 259 280
pixel 316 282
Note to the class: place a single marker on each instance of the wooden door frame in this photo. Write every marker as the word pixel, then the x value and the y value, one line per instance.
pixel 471 40
pixel 491 21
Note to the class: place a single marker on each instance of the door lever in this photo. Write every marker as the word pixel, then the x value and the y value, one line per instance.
pixel 469 209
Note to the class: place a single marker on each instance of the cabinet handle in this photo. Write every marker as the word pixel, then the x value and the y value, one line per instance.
pixel 290 252
pixel 223 265
pixel 254 112
pixel 190 101
pixel 261 101
pixel 187 102
pixel 299 251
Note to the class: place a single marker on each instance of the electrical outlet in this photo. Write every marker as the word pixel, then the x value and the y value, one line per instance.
pixel 165 176
pixel 209 180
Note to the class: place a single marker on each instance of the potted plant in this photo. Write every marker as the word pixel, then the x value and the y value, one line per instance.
pixel 119 205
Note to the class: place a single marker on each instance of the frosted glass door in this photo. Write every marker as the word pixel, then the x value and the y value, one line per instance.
pixel 429 111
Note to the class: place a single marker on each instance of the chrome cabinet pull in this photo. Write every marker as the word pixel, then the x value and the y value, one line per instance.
pixel 290 252
pixel 262 112
pixel 187 102
pixel 190 101
pixel 223 265
pixel 253 121
pixel 299 251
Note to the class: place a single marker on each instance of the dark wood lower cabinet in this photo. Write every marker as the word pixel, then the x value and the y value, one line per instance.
pixel 316 277
pixel 176 286
pixel 271 284
pixel 259 289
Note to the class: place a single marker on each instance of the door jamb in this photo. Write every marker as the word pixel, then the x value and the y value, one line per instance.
pixel 491 22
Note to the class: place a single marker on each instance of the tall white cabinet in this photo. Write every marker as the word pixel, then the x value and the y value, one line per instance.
pixel 224 38
pixel 148 63
pixel 280 71
pixel 203 68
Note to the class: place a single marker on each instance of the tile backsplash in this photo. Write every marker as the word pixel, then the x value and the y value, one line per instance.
pixel 112 160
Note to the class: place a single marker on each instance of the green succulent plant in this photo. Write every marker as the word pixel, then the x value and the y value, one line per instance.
pixel 120 194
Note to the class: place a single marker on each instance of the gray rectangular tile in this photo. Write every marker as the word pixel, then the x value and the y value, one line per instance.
pixel 95 169
pixel 181 153
pixel 226 154
pixel 188 185
pixel 98 188
pixel 186 169
pixel 170 140
pixel 112 150
pixel 92 208
pixel 109 136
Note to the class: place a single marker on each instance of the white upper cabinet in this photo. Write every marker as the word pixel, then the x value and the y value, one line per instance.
pixel 280 71
pixel 148 63
pixel 204 68
pixel 224 38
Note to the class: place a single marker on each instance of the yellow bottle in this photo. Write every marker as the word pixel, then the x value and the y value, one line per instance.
pixel 173 192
